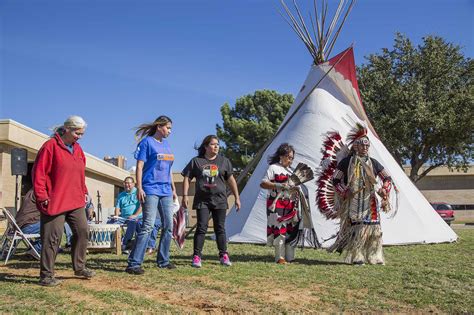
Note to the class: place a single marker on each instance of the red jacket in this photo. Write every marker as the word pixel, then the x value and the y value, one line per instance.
pixel 59 177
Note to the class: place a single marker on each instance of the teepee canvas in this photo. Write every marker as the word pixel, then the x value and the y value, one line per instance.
pixel 329 100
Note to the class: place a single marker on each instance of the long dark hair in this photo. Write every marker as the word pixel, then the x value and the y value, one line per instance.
pixel 150 129
pixel 205 142
pixel 283 149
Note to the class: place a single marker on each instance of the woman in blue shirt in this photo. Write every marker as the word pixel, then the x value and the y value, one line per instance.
pixel 155 190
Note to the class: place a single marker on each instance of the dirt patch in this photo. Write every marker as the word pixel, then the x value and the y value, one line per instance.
pixel 212 296
pixel 186 300
pixel 303 299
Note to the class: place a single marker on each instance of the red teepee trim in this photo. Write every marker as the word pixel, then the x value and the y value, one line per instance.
pixel 345 64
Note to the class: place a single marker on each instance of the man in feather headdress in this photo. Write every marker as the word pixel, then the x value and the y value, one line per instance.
pixel 357 206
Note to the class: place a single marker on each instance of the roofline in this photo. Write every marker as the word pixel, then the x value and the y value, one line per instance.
pixel 16 123
pixel 443 171
pixel 43 137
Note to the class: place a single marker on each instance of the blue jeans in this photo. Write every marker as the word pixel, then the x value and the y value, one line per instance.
pixel 153 234
pixel 68 232
pixel 154 205
pixel 134 225
pixel 33 229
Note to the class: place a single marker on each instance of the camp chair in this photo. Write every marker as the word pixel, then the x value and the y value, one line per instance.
pixel 13 234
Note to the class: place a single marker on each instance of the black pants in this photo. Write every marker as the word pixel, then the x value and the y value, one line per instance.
pixel 218 219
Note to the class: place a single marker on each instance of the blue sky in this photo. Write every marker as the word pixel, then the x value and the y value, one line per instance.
pixel 122 63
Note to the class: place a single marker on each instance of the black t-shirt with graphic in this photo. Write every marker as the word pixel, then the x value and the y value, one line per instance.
pixel 211 177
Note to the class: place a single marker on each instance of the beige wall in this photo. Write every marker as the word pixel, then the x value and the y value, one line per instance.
pixel 446 182
pixel 7 181
pixel 455 197
pixel 105 187
pixel 453 187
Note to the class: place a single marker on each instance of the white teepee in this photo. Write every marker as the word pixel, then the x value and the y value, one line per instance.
pixel 330 101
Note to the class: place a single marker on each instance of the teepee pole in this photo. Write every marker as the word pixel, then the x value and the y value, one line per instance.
pixel 336 35
pixel 322 39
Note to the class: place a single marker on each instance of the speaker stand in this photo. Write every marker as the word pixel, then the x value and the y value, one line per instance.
pixel 99 209
pixel 16 194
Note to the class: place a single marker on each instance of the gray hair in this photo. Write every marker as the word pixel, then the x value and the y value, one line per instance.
pixel 72 122
pixel 75 122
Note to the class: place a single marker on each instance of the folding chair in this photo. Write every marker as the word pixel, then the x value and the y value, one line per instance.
pixel 13 234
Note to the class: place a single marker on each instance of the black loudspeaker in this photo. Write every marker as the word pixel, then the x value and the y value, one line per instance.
pixel 19 158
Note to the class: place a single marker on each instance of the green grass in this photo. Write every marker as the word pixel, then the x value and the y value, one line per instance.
pixel 420 278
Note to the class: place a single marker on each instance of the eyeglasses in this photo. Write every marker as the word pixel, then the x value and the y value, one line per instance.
pixel 290 157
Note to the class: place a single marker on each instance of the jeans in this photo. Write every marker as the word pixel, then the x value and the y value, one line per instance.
pixel 154 205
pixel 153 234
pixel 134 225
pixel 68 232
pixel 33 229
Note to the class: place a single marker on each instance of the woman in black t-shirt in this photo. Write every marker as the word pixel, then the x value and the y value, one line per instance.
pixel 212 171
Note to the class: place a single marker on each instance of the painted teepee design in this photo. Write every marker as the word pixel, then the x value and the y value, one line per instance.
pixel 329 100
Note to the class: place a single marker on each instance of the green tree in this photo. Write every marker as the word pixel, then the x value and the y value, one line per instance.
pixel 420 100
pixel 250 123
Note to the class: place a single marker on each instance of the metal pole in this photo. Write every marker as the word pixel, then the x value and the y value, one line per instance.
pixel 99 209
pixel 16 194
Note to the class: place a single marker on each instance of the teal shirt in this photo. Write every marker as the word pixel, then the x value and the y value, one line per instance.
pixel 128 203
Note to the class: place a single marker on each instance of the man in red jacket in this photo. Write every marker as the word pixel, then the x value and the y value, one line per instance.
pixel 59 185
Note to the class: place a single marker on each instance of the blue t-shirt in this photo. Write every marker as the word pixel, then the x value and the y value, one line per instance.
pixel 156 176
pixel 128 203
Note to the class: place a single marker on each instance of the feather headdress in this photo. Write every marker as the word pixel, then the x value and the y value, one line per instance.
pixel 359 131
pixel 334 150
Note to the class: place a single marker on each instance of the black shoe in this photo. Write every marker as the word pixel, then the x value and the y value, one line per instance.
pixel 84 273
pixel 168 266
pixel 135 270
pixel 49 282
pixel 358 262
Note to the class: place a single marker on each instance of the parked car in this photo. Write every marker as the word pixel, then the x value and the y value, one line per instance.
pixel 444 210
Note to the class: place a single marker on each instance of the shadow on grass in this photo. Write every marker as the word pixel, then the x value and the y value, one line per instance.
pixel 242 258
pixel 23 262
pixel 13 278
pixel 117 265
pixel 93 262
